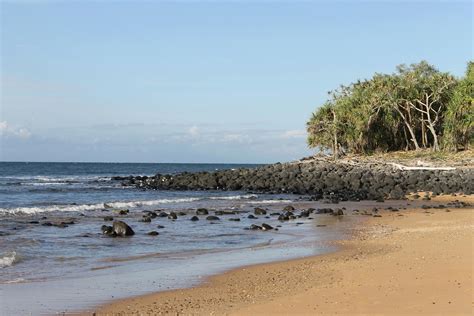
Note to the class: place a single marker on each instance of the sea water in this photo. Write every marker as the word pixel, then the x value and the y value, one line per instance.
pixel 76 267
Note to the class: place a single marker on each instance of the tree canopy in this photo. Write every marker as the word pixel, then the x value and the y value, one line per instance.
pixel 415 107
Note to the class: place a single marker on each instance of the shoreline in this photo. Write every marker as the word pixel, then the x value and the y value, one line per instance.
pixel 294 286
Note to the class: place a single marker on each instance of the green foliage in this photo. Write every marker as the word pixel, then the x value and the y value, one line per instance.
pixel 459 118
pixel 412 108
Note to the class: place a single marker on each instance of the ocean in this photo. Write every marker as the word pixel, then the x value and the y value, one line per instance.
pixel 74 266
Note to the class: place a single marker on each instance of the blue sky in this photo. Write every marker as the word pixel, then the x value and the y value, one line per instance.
pixel 194 81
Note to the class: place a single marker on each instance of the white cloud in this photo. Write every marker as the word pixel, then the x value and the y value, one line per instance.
pixel 13 131
pixel 297 133
pixel 237 138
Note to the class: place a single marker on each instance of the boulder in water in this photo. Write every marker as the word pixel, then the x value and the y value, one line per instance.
pixel 202 211
pixel 121 229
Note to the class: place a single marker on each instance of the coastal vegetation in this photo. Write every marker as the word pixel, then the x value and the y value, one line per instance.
pixel 417 107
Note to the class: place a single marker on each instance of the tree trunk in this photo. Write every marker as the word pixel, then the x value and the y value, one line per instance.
pixel 336 151
pixel 407 124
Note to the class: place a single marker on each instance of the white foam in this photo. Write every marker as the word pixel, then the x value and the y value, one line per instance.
pixel 8 259
pixel 18 280
pixel 270 202
pixel 235 197
pixel 130 204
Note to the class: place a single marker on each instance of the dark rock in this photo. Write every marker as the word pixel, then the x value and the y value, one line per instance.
pixel 33 222
pixel 153 233
pixel 194 218
pixel 259 211
pixel 146 219
pixel 234 219
pixel 266 227
pixel 251 217
pixel 212 218
pixel 338 212
pixel 121 229
pixel 47 224
pixel 122 212
pixel 202 211
pixel 173 216
pixel 160 226
pixel 108 218
pixel 255 227
pixel 107 230
pixel 162 214
pixel 289 208
pixel 324 211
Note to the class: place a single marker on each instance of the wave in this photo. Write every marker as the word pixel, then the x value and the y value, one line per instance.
pixel 270 201
pixel 50 180
pixel 235 197
pixel 9 259
pixel 118 205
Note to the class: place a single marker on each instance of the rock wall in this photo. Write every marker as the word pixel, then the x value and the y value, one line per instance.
pixel 327 180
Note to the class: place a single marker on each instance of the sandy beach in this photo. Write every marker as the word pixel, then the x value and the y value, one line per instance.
pixel 416 261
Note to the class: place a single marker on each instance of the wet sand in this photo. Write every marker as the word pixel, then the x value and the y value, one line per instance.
pixel 409 262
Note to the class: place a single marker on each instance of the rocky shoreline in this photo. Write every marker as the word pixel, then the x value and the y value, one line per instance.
pixel 321 179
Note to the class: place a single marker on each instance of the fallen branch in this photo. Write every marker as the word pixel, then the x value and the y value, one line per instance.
pixel 402 167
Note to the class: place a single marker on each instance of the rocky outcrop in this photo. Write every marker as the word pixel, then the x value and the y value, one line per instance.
pixel 321 179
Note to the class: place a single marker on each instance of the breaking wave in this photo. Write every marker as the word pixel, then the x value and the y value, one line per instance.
pixel 120 205
pixel 9 259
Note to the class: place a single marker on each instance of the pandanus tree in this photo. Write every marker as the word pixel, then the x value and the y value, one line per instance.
pixel 459 117
pixel 403 110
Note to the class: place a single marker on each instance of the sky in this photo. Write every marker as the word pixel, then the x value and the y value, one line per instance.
pixel 195 82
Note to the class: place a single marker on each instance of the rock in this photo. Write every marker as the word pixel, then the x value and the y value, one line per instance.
pixel 266 227
pixel 151 214
pixel 162 214
pixel 47 224
pixel 304 214
pixel 275 214
pixel 234 219
pixel 259 211
pixel 255 227
pixel 251 217
pixel 153 233
pixel 283 217
pixel 173 216
pixel 122 212
pixel 324 211
pixel 33 222
pixel 202 211
pixel 194 218
pixel 121 229
pixel 108 218
pixel 160 226
pixel 146 219
pixel 212 218
pixel 377 215
pixel 338 212
pixel 107 230
pixel 289 208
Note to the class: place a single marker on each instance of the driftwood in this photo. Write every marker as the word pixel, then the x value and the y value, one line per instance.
pixel 402 167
